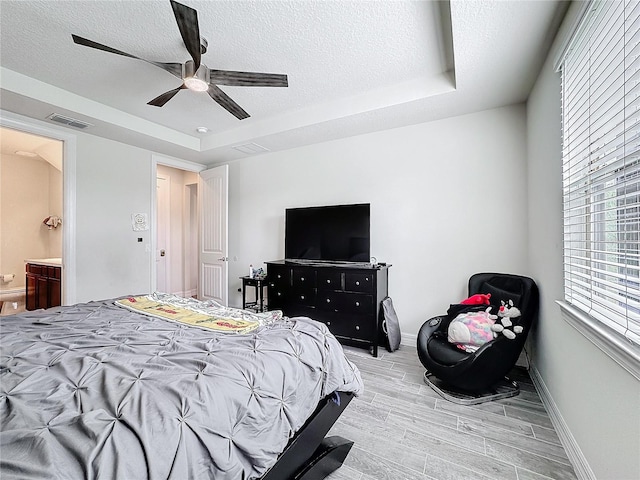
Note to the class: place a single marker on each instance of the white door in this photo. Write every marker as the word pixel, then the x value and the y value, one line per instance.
pixel 213 277
pixel 163 189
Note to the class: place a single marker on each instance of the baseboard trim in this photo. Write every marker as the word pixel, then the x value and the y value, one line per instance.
pixel 408 339
pixel 576 457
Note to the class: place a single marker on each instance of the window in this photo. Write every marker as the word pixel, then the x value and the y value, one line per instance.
pixel 601 165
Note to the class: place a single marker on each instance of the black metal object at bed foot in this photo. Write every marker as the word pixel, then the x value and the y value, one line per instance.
pixel 326 459
pixel 310 456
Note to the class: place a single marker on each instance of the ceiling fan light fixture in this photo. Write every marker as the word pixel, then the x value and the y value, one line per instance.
pixel 195 84
pixel 195 80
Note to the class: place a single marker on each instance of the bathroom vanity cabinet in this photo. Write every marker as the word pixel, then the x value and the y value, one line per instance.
pixel 44 284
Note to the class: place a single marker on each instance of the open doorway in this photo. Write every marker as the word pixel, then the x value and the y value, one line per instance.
pixel 176 255
pixel 31 211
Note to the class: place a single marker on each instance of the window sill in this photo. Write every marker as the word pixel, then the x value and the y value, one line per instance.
pixel 620 349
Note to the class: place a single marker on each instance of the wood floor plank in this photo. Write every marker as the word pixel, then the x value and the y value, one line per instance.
pixel 485 418
pixel 524 474
pixel 394 390
pixel 413 377
pixel 530 461
pixel 366 413
pixel 534 418
pixel 523 442
pixel 345 473
pixel 443 470
pixel 369 360
pixel 378 468
pixel 520 402
pixel 419 425
pixel 381 371
pixel 425 411
pixel 546 434
pixel 473 461
pixel 392 449
pixel 367 396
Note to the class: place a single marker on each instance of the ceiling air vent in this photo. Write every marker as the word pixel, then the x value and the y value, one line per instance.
pixel 70 122
pixel 250 148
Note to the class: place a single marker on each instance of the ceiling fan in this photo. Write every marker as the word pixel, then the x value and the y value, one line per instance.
pixel 197 76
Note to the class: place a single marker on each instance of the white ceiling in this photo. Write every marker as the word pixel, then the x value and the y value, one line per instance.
pixel 353 66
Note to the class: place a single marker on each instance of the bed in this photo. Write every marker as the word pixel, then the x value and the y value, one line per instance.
pixel 101 391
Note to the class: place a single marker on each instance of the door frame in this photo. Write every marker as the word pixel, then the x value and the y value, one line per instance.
pixel 69 141
pixel 156 160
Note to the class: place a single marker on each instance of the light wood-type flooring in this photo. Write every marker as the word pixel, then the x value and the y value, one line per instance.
pixel 403 430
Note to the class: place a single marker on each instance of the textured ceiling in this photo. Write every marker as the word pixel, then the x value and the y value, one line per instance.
pixel 353 66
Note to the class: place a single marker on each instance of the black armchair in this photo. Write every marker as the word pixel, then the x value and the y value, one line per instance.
pixel 477 374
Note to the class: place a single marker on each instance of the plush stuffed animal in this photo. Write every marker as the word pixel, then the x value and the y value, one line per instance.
pixel 470 330
pixel 477 299
pixel 506 312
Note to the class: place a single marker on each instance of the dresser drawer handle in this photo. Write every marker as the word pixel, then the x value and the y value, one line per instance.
pixel 357 283
pixel 302 279
pixel 279 276
pixel 366 278
pixel 357 327
pixel 328 300
pixel 328 323
pixel 301 297
pixel 328 281
pixel 357 304
pixel 279 294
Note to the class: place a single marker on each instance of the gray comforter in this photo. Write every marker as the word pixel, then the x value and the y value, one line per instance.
pixel 97 391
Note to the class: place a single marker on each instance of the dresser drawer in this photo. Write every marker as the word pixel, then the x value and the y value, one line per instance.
pixel 278 277
pixel 303 296
pixel 359 327
pixel 276 296
pixel 304 278
pixel 329 279
pixel 355 303
pixel 358 282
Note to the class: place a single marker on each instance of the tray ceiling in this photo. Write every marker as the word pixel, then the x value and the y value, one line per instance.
pixel 353 67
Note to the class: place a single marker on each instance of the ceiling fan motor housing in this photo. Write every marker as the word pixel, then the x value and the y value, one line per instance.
pixel 197 80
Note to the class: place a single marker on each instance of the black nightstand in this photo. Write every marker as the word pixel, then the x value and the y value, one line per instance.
pixel 258 284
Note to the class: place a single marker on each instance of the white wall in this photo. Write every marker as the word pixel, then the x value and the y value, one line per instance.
pixel 448 199
pixel 598 399
pixel 113 180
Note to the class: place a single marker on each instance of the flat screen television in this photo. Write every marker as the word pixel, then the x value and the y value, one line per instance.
pixel 334 233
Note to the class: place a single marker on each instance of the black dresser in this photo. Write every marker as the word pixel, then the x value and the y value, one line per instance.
pixel 345 297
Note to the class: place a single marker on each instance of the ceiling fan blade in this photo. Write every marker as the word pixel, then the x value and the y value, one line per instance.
pixel 252 79
pixel 173 68
pixel 90 43
pixel 160 100
pixel 187 19
pixel 225 102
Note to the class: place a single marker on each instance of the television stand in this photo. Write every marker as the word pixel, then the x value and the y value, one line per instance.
pixel 344 296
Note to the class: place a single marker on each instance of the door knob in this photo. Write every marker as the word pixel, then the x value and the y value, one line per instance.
pixel 162 253
pixel 223 259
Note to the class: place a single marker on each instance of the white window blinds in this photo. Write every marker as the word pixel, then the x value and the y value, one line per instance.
pixel 601 165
